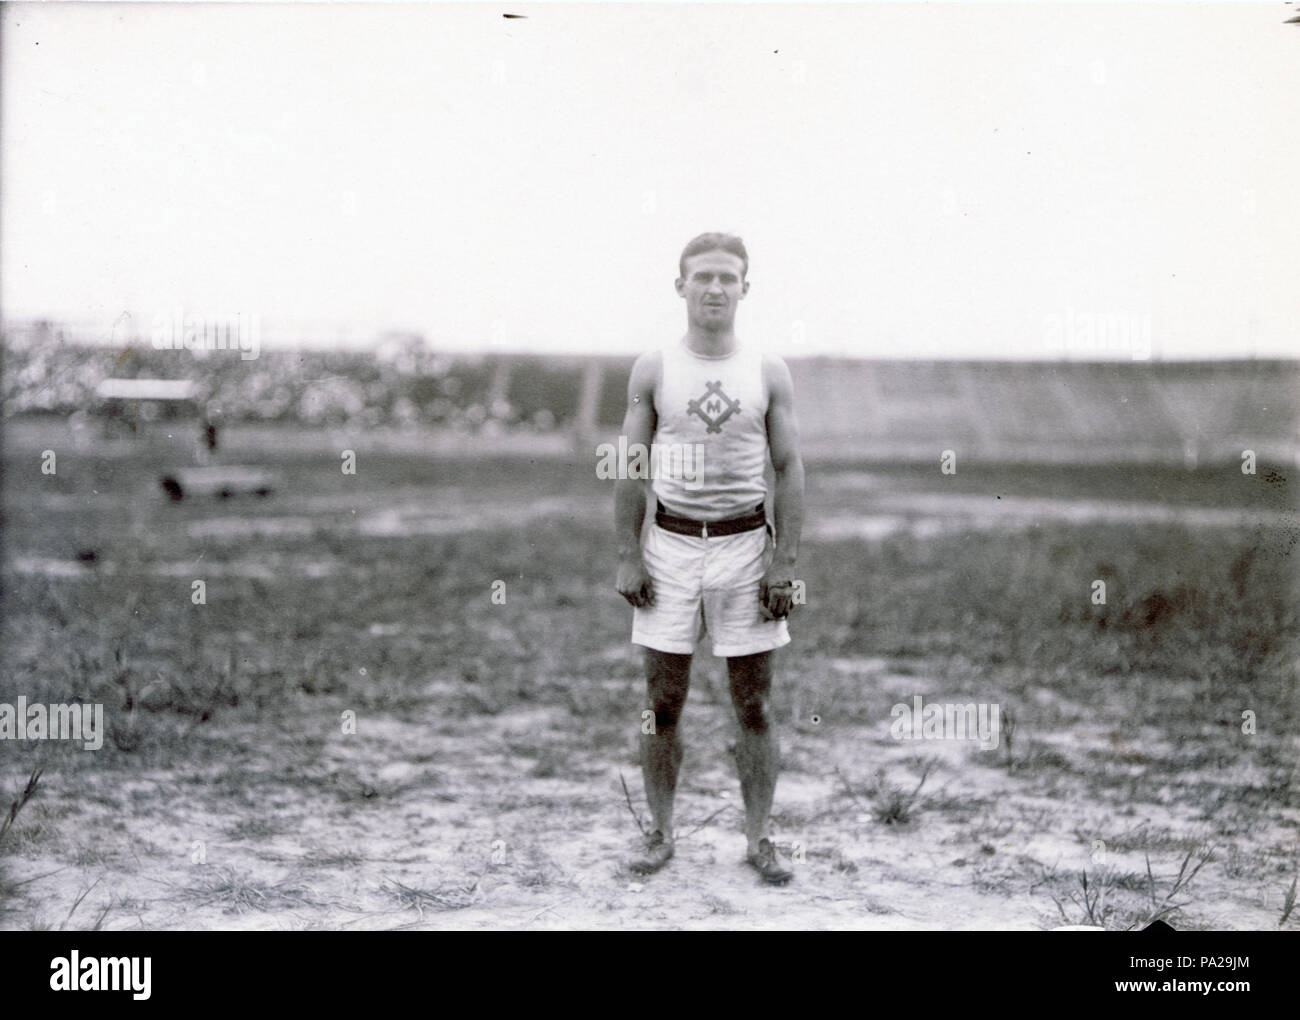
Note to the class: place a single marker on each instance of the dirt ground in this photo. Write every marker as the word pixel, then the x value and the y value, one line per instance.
pixel 483 785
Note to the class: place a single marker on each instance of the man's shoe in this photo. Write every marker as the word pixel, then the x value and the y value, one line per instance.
pixel 765 862
pixel 658 852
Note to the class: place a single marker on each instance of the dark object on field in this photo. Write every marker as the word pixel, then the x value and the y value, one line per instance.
pixel 210 435
pixel 1156 610
pixel 87 555
pixel 222 482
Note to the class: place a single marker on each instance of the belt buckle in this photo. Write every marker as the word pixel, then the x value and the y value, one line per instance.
pixel 704 525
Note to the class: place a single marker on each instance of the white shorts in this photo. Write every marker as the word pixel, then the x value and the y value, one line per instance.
pixel 707 584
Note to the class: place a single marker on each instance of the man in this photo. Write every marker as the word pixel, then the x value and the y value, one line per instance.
pixel 709 560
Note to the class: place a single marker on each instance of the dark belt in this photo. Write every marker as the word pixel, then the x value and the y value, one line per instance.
pixel 711 529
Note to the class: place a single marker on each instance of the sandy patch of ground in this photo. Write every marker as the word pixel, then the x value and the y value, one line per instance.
pixel 424 820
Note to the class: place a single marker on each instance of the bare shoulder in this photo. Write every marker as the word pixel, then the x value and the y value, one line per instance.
pixel 776 377
pixel 645 370
pixel 644 377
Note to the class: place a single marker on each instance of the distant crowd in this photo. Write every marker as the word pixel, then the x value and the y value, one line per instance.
pixel 401 381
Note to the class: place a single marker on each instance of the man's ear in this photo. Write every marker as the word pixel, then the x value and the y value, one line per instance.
pixel 680 284
pixel 744 287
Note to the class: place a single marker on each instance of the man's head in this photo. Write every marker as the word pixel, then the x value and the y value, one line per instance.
pixel 712 280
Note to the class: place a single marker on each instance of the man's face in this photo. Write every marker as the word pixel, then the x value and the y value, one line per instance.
pixel 713 286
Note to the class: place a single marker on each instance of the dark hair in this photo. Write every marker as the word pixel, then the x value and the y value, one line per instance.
pixel 714 242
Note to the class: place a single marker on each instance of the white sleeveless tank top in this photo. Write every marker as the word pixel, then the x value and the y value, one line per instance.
pixel 718 408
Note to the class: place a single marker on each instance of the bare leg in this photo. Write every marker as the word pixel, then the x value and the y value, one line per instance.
pixel 668 678
pixel 757 754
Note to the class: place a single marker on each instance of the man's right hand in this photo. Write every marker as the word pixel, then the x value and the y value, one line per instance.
pixel 634 582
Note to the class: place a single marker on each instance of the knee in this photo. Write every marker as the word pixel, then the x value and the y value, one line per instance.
pixel 667 706
pixel 753 714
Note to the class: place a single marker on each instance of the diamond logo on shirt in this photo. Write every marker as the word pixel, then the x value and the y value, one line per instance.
pixel 714 408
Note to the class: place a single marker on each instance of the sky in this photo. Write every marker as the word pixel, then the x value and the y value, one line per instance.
pixel 911 180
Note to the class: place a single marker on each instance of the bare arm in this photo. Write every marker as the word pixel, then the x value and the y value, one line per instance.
pixel 787 462
pixel 631 494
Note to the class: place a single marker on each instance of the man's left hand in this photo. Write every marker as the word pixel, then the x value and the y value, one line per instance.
pixel 776 593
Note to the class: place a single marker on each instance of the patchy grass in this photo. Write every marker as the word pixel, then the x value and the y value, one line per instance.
pixel 478 722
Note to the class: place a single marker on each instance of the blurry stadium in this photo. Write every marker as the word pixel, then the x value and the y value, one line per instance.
pixel 1189 413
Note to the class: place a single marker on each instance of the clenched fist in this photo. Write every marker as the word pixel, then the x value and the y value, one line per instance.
pixel 634 582
pixel 775 594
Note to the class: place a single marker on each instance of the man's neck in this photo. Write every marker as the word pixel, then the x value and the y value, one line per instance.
pixel 710 344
